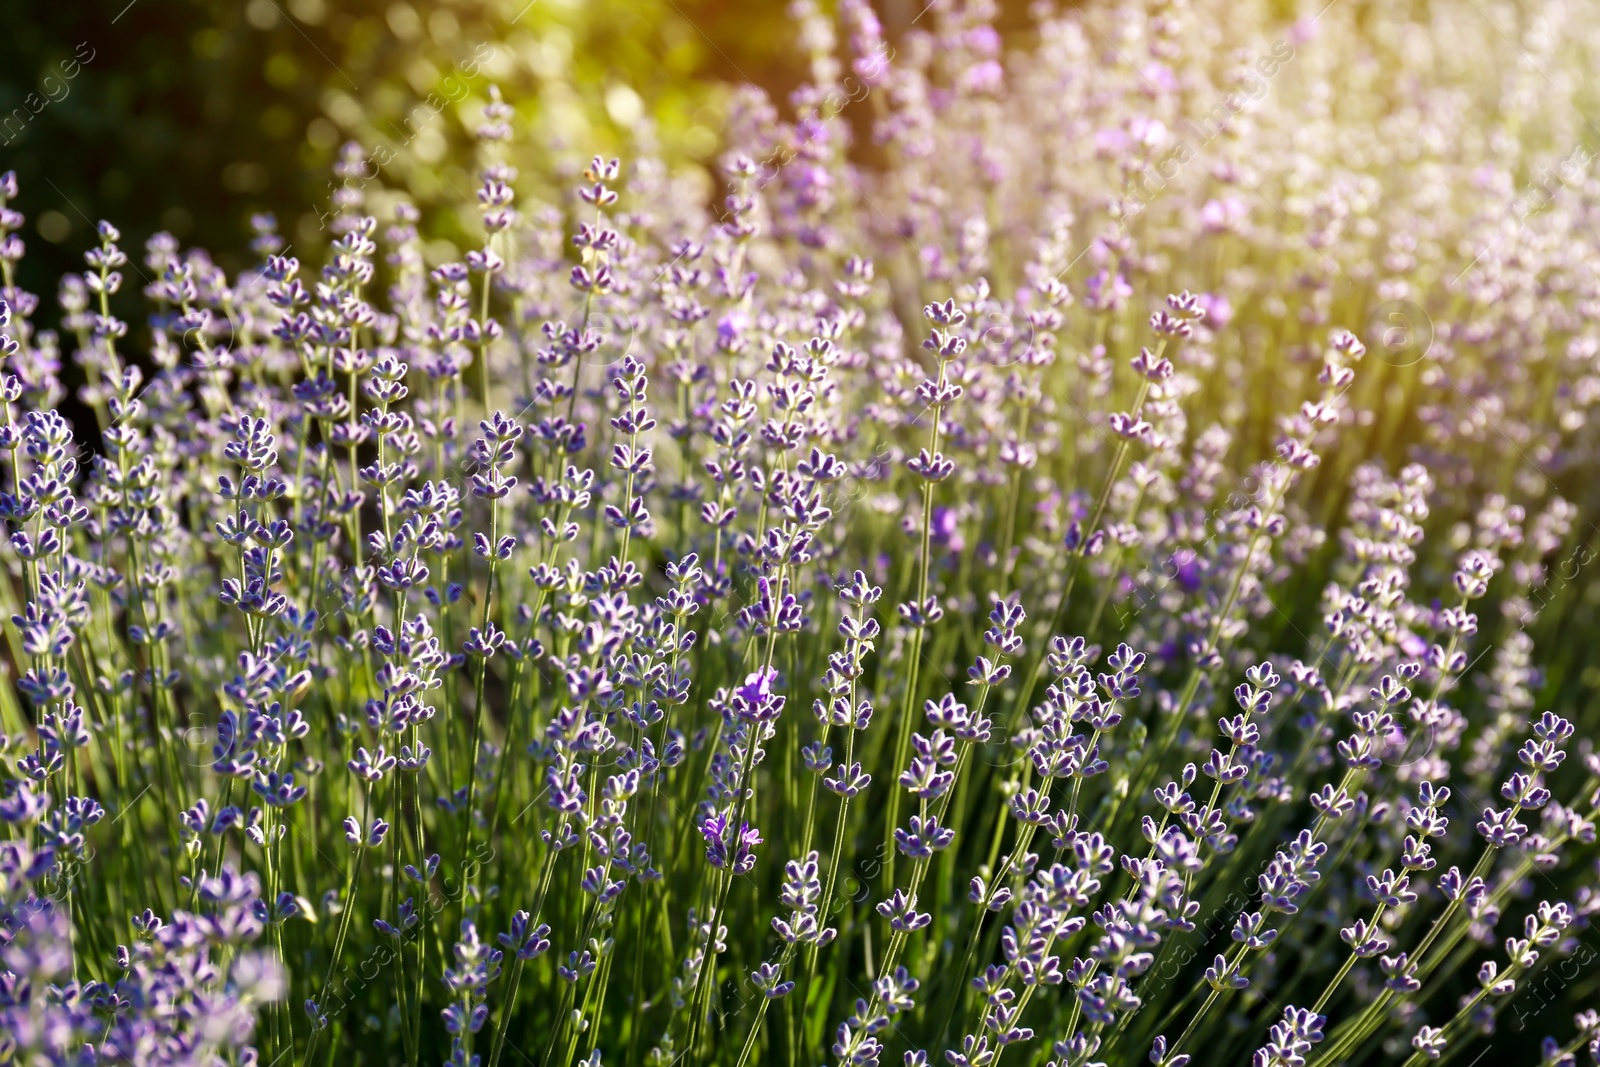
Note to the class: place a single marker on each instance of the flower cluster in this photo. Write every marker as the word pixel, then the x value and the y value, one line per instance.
pixel 1233 705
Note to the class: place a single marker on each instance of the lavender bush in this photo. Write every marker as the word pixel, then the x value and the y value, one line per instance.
pixel 1105 583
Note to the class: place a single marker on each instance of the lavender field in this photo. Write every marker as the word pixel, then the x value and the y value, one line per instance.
pixel 1068 539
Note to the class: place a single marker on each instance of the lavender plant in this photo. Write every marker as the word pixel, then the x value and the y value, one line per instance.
pixel 485 659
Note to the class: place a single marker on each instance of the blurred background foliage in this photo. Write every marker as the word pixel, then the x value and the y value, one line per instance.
pixel 189 115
